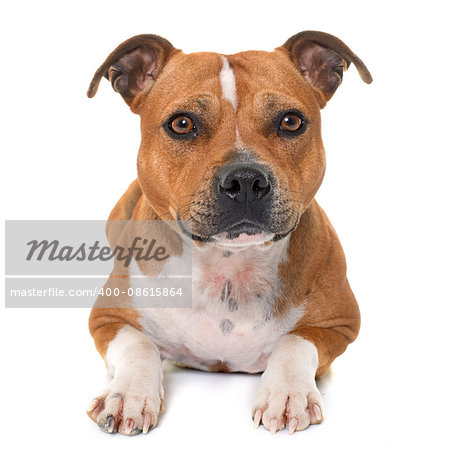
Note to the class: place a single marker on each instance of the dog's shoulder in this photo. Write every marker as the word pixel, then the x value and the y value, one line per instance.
pixel 124 208
pixel 123 211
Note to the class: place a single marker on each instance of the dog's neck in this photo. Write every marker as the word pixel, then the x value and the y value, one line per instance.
pixel 238 275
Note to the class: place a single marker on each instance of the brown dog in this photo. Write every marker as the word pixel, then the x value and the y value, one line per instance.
pixel 232 143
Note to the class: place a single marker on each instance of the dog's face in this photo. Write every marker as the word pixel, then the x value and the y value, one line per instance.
pixel 231 143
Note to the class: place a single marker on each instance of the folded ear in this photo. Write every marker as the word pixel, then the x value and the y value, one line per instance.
pixel 322 59
pixel 133 66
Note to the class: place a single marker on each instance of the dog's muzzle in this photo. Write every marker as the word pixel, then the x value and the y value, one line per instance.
pixel 244 208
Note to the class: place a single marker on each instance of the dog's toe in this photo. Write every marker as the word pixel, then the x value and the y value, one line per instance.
pixel 128 413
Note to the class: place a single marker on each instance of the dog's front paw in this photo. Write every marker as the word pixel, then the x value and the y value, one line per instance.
pixel 127 410
pixel 280 403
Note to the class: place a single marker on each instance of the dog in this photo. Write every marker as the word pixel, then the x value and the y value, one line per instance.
pixel 233 143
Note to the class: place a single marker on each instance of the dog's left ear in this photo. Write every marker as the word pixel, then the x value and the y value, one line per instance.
pixel 322 59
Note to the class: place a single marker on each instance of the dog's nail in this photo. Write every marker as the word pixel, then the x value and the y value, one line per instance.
pixel 273 426
pixel 257 418
pixel 110 424
pixel 293 425
pixel 317 412
pixel 147 422
pixel 93 405
pixel 129 426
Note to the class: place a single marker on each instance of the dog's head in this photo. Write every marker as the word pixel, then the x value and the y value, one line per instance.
pixel 231 143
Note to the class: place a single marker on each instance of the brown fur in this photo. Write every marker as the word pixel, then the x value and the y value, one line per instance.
pixel 331 319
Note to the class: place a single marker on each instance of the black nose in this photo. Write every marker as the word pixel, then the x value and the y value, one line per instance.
pixel 244 184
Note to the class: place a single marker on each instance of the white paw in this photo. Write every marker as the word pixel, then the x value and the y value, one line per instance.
pixel 278 408
pixel 287 394
pixel 280 403
pixel 128 407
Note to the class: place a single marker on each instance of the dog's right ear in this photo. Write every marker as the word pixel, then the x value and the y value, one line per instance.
pixel 133 66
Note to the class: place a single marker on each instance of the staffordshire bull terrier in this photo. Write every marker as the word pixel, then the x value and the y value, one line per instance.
pixel 232 144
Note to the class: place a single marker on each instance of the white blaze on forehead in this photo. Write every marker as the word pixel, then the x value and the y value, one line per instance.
pixel 228 83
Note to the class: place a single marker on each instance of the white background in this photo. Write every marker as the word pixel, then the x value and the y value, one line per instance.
pixel 386 191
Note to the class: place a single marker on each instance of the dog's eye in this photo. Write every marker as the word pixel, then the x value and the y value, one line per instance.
pixel 181 125
pixel 291 123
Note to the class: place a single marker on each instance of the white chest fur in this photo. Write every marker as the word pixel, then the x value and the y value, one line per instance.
pixel 230 323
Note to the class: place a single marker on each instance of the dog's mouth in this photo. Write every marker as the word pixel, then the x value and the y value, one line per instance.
pixel 241 234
